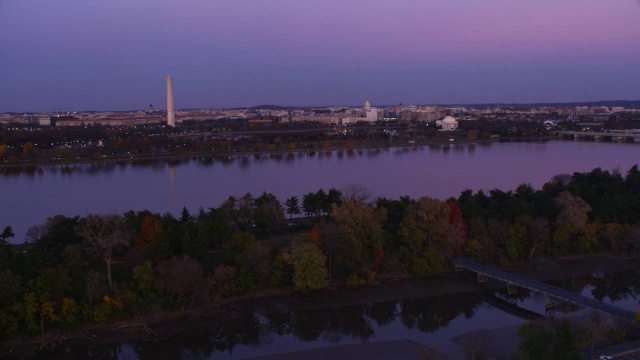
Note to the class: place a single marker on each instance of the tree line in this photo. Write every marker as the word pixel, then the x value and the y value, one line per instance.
pixel 102 267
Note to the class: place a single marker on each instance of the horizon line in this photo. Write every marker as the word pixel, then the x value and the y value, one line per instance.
pixel 351 106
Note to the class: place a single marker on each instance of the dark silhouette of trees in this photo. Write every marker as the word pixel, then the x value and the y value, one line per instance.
pixel 6 234
pixel 293 206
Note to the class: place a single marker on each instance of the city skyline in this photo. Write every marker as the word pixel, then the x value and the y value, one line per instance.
pixel 115 56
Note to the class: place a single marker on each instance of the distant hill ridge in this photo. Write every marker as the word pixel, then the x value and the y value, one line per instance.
pixel 609 103
pixel 628 104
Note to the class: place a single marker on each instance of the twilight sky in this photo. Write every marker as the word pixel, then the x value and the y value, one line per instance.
pixel 116 54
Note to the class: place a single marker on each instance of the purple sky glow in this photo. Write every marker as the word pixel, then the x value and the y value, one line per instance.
pixel 116 54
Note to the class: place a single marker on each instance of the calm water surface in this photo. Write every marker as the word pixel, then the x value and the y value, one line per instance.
pixel 434 321
pixel 29 196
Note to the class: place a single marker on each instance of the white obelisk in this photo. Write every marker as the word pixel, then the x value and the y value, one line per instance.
pixel 171 115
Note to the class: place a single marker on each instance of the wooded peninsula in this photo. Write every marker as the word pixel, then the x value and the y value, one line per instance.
pixel 76 271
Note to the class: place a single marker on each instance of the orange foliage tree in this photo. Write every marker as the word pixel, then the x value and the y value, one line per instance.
pixel 147 238
pixel 314 235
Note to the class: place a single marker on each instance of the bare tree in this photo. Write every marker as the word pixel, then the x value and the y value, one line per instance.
pixel 574 212
pixel 540 236
pixel 35 232
pixel 94 286
pixel 179 277
pixel 105 233
pixel 238 212
pixel 561 179
pixel 356 192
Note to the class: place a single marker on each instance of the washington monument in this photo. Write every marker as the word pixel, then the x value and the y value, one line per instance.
pixel 171 116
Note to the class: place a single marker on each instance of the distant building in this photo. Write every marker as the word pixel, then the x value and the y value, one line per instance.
pixel 322 118
pixel 582 111
pixel 449 123
pixel 44 120
pixel 370 113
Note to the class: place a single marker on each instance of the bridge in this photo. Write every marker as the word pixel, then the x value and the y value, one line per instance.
pixel 609 135
pixel 511 280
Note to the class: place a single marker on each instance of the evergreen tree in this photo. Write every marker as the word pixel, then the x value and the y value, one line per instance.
pixel 293 207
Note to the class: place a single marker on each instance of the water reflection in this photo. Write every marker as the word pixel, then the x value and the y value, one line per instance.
pixel 172 178
pixel 262 327
pixel 471 148
pixel 616 287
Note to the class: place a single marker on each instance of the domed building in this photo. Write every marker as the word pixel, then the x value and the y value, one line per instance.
pixel 449 123
pixel 371 113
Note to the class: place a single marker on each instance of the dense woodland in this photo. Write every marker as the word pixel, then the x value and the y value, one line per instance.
pixel 103 267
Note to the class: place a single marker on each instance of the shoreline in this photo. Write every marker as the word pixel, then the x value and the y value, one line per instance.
pixel 169 157
pixel 169 325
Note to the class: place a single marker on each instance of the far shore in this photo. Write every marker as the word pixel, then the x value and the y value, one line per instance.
pixel 168 157
pixel 166 326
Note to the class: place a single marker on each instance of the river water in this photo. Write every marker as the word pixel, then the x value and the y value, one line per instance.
pixel 30 195
pixel 448 320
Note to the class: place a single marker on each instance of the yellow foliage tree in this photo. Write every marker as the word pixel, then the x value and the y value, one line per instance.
pixel 27 149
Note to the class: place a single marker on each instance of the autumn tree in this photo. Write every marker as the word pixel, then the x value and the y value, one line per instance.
pixel 428 234
pixel 516 239
pixel 147 237
pixel 144 281
pixel 28 149
pixel 309 266
pixel 104 234
pixel 361 234
pixel 314 235
pixel 571 222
